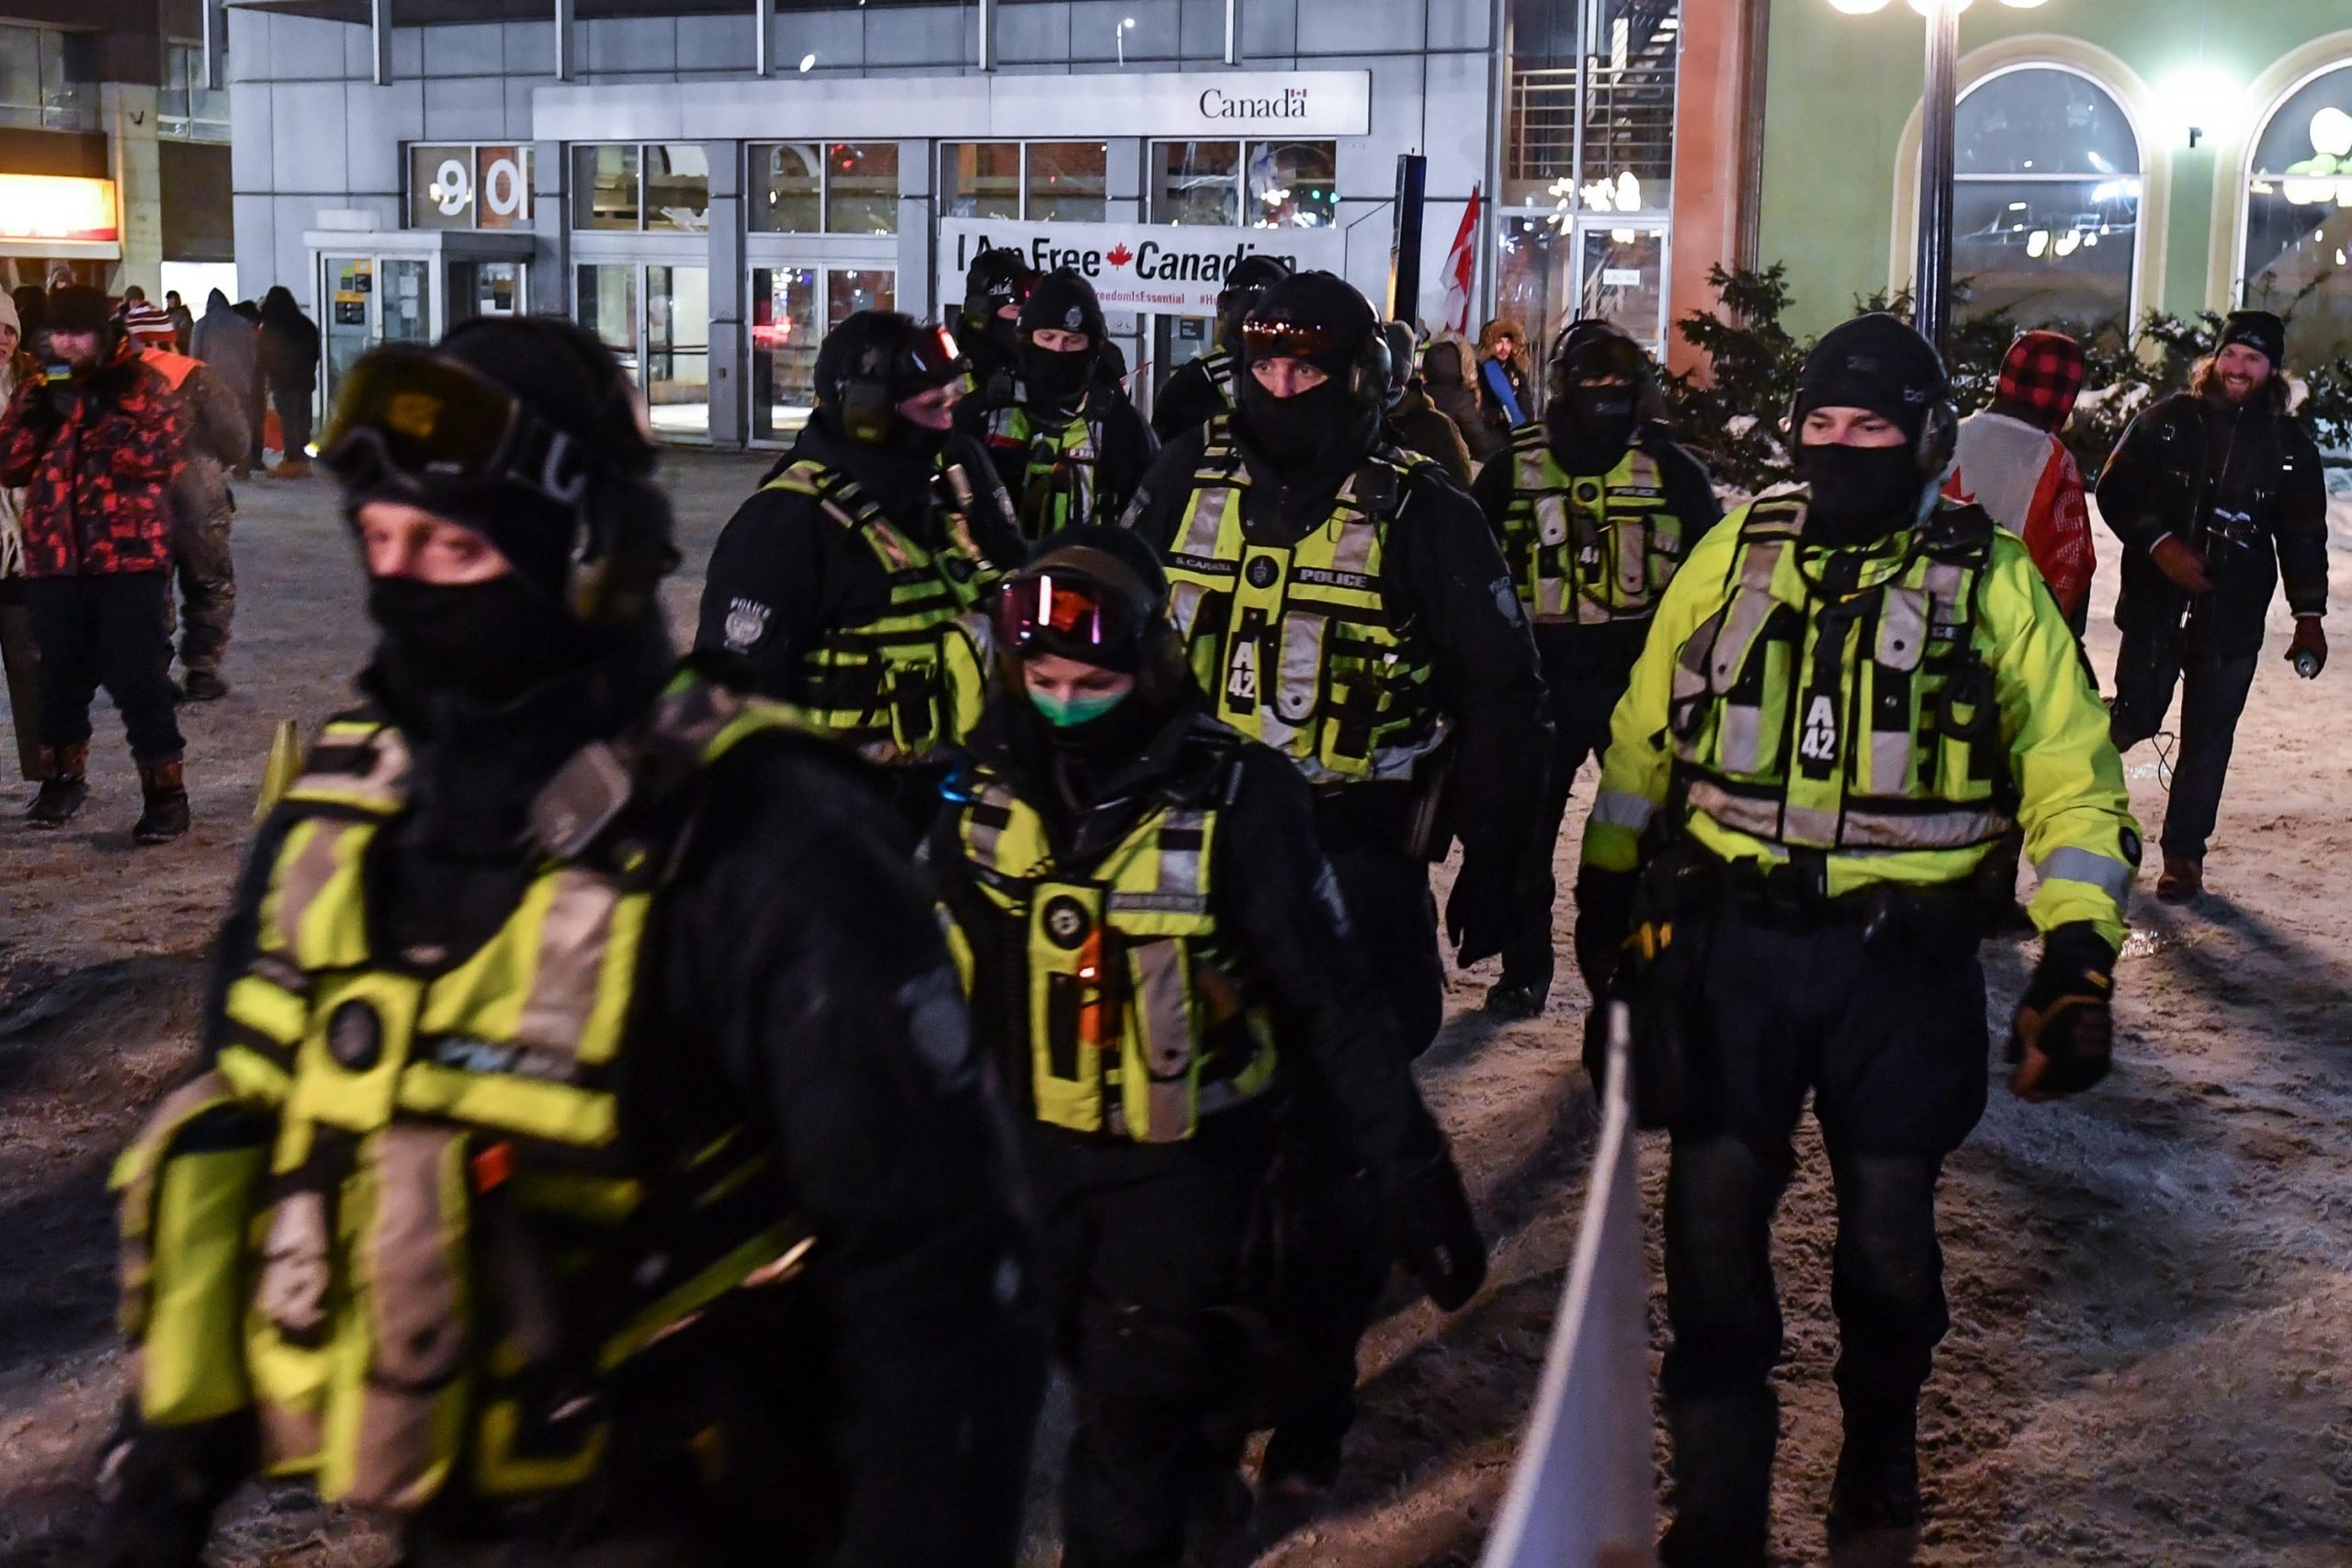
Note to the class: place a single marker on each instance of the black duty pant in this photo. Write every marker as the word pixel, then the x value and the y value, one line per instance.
pixel 208 580
pixel 105 630
pixel 1143 1263
pixel 1888 1033
pixel 1394 919
pixel 1582 701
pixel 2213 690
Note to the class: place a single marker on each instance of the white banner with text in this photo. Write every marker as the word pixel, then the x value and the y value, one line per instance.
pixel 1164 268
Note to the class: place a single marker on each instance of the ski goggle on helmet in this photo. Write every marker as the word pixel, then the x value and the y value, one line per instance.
pixel 1066 610
pixel 423 421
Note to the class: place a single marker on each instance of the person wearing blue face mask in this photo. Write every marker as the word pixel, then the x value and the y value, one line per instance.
pixel 1158 957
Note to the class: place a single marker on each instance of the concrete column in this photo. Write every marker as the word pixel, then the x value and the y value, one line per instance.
pixel 127 111
pixel 1124 173
pixel 551 220
pixel 918 235
pixel 728 340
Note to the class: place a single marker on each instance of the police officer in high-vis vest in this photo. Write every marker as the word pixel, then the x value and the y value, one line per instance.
pixel 1204 387
pixel 1596 506
pixel 1158 952
pixel 852 584
pixel 1848 695
pixel 1346 605
pixel 1071 449
pixel 556 1185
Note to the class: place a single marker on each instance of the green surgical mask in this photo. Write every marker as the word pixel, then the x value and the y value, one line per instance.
pixel 1067 713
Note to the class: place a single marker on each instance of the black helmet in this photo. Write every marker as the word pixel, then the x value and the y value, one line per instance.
pixel 998 277
pixel 1594 351
pixel 1097 594
pixel 875 360
pixel 1063 300
pixel 1245 285
pixel 1318 317
pixel 1403 339
pixel 527 430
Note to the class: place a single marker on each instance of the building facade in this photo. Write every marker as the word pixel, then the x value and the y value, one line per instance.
pixel 711 208
pixel 2114 157
pixel 114 147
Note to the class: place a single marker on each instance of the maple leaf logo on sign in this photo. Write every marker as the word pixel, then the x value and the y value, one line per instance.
pixel 1119 255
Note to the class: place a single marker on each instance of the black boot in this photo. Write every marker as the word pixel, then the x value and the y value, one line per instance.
pixel 1723 1480
pixel 1877 1486
pixel 165 817
pixel 63 786
pixel 1511 998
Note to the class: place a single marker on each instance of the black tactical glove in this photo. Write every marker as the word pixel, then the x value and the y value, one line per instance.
pixel 1483 911
pixel 1436 1234
pixel 2065 1032
pixel 159 1487
pixel 1604 908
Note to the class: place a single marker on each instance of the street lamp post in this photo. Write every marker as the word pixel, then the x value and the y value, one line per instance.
pixel 1123 25
pixel 1931 271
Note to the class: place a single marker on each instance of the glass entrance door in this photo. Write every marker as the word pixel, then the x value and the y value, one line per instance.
pixel 792 308
pixel 486 288
pixel 404 303
pixel 656 320
pixel 348 284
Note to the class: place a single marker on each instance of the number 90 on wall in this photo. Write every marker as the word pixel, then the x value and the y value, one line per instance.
pixel 468 185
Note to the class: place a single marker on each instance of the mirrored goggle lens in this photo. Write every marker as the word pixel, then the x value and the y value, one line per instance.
pixel 1288 340
pixel 934 360
pixel 425 415
pixel 1059 613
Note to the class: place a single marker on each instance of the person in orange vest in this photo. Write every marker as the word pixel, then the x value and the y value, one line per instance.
pixel 2011 462
pixel 215 435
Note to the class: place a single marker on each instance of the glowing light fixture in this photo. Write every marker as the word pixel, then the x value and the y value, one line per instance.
pixel 1858 7
pixel 808 62
pixel 2036 243
pixel 1928 7
pixel 57 206
pixel 2332 132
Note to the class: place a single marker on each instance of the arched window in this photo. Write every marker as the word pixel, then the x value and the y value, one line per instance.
pixel 2046 221
pixel 2299 218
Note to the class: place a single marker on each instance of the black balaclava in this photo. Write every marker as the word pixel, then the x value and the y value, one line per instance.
pixel 1862 493
pixel 997 278
pixel 1589 427
pixel 1337 422
pixel 488 644
pixel 1056 380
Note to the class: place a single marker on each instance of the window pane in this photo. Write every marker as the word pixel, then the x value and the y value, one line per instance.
pixel 677 186
pixel 2042 122
pixel 1068 182
pixel 440 186
pixel 20 71
pixel 502 186
pixel 1196 182
pixel 678 350
pixel 68 77
pixel 1628 134
pixel 2293 246
pixel 979 179
pixel 851 290
pixel 2312 133
pixel 604 300
pixel 1293 185
pixel 171 98
pixel 1624 284
pixel 2050 253
pixel 784 349
pixel 787 187
pixel 863 194
pixel 603 187
pixel 1535 284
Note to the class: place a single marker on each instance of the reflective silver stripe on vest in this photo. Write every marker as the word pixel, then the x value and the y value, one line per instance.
pixel 1740 741
pixel 2112 877
pixel 1623 808
pixel 1808 828
pixel 573 940
pixel 1161 988
pixel 987 836
pixel 1199 542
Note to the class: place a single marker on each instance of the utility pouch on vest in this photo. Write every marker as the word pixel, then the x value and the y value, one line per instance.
pixel 187 1186
pixel 912 691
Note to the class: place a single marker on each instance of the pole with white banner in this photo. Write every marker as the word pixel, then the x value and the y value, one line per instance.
pixel 1583 1494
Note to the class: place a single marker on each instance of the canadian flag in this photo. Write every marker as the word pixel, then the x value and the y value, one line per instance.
pixel 1461 267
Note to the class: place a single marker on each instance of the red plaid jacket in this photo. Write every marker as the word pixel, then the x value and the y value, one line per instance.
pixel 97 485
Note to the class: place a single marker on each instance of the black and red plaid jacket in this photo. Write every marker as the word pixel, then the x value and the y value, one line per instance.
pixel 98 484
